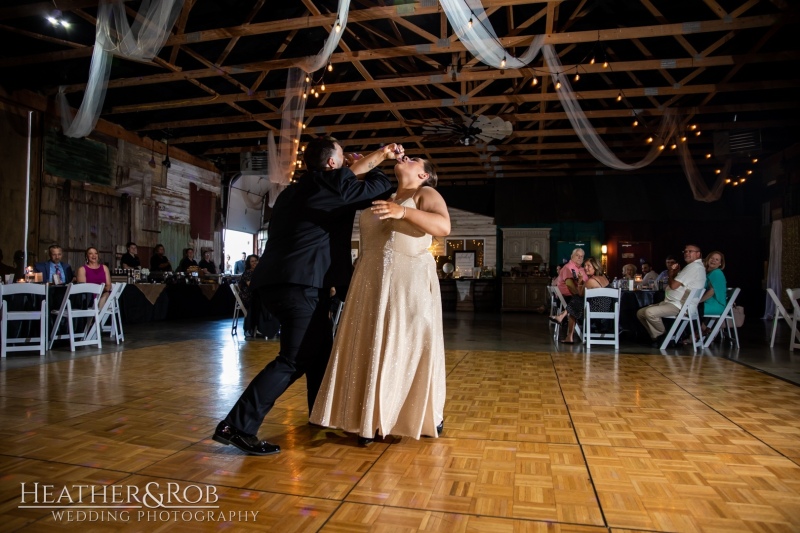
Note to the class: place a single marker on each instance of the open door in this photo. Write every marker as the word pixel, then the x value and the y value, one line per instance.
pixel 247 196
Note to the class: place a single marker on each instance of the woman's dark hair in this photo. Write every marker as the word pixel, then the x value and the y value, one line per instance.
pixel 247 261
pixel 318 152
pixel 431 172
pixel 86 253
pixel 598 270
pixel 157 246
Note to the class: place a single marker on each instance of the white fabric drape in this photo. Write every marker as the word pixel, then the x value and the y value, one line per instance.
pixel 480 38
pixel 697 183
pixel 115 36
pixel 283 155
pixel 774 269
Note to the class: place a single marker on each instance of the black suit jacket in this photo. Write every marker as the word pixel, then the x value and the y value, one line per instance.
pixel 310 228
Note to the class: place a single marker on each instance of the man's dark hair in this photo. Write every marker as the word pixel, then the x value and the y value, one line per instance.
pixel 318 152
pixel 130 244
pixel 669 258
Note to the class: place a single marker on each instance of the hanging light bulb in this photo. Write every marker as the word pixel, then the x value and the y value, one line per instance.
pixel 322 87
pixel 619 97
pixel 635 123
pixel 697 133
pixel 749 172
pixel 577 76
pixel 470 22
pixel 592 61
pixel 755 160
pixel 296 141
pixel 503 62
pixel 316 94
pixel 649 139
pixel 708 156
pixel 307 78
pixel 718 171
pixel 305 95
pixel 673 146
pixel 605 64
pixel 330 67
pixel 558 84
pixel 534 81
pixel 661 147
pixel 728 180
pixel 304 126
pixel 683 139
pixel 338 26
pixel 693 127
pixel 742 180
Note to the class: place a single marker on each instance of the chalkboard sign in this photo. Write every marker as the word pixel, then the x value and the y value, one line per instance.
pixel 77 159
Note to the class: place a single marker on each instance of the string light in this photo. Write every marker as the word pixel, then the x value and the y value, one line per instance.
pixel 605 64
pixel 305 95
pixel 503 62
pixel 693 127
pixel 534 81
pixel 558 84
pixel 718 171
pixel 470 22
pixel 728 180
pixel 635 123
pixel 307 78
pixel 577 76
pixel 330 67
pixel 697 133
pixel 749 172
pixel 592 61
pixel 322 87
pixel 661 147
pixel 619 97
pixel 708 156
pixel 742 180
pixel 649 140
pixel 755 160
pixel 304 126
pixel 338 26
pixel 673 146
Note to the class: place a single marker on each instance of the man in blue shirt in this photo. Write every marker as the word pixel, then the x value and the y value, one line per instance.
pixel 238 266
pixel 54 271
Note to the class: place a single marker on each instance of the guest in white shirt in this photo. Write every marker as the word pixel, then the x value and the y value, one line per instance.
pixel 681 282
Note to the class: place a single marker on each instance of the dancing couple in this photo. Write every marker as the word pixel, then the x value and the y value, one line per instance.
pixel 385 372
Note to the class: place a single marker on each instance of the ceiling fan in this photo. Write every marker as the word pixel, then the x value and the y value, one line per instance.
pixel 469 131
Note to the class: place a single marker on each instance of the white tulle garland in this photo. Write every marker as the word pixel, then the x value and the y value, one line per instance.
pixel 115 36
pixel 283 155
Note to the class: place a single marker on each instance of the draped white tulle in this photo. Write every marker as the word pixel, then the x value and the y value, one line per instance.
pixel 115 36
pixel 283 154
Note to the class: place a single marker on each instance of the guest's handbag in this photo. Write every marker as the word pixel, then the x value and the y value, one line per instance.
pixel 738 315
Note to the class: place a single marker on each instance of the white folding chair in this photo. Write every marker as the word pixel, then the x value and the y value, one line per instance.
pixel 337 314
pixel 238 308
pixel 794 295
pixel 591 337
pixel 687 314
pixel 723 319
pixel 780 312
pixel 91 313
pixel 110 312
pixel 554 304
pixel 20 344
pixel 562 305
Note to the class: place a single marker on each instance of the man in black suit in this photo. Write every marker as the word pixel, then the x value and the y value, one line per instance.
pixel 54 271
pixel 307 253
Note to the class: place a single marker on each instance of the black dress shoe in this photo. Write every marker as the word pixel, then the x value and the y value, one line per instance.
pixel 249 444
pixel 365 441
pixel 439 429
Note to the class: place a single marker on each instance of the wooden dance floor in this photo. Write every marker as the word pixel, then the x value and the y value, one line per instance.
pixel 533 441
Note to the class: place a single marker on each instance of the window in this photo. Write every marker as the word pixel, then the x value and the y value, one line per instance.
pixel 465 245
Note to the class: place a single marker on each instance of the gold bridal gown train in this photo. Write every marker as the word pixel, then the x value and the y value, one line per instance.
pixel 386 373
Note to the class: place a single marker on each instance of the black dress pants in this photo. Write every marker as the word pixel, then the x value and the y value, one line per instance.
pixel 306 342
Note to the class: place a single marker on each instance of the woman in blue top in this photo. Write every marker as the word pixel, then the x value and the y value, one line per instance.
pixel 716 296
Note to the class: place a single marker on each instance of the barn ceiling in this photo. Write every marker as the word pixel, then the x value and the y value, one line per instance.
pixel 730 67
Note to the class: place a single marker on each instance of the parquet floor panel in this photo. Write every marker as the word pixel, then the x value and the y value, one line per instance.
pixel 533 442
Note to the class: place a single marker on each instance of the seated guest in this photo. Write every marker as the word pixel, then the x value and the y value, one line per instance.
pixel 159 261
pixel 129 259
pixel 554 281
pixel 649 276
pixel 664 276
pixel 596 280
pixel 246 295
pixel 715 299
pixel 187 261
pixel 681 282
pixel 572 271
pixel 207 264
pixel 4 269
pixel 95 272
pixel 54 271
pixel 628 271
